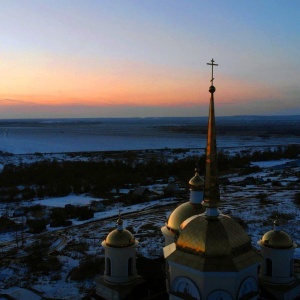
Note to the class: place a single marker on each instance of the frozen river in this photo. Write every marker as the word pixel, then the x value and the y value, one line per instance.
pixel 75 135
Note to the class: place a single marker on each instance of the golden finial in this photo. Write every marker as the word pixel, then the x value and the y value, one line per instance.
pixel 276 224
pixel 120 221
pixel 211 185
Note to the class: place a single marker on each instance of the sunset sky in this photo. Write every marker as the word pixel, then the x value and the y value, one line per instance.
pixel 96 58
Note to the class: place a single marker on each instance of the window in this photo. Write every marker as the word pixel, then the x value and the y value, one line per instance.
pixel 268 267
pixel 130 267
pixel 108 266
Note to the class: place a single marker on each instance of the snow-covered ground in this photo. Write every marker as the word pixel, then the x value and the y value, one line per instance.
pixel 20 293
pixel 62 201
pixel 271 163
pixel 145 220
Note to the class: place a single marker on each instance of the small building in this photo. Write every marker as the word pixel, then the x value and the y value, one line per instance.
pixel 7 225
pixel 141 191
pixel 97 206
pixel 18 212
pixel 172 188
pixel 250 180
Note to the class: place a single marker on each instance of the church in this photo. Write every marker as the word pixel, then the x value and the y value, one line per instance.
pixel 208 255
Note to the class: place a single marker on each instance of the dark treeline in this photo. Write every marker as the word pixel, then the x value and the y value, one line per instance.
pixel 52 178
pixel 245 157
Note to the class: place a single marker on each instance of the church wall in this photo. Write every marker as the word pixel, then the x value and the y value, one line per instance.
pixel 207 282
pixel 119 258
pixel 281 265
pixel 107 293
pixel 111 291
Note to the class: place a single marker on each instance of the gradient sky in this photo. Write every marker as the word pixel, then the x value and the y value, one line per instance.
pixel 96 58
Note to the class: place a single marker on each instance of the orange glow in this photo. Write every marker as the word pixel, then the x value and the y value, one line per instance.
pixel 139 93
pixel 40 81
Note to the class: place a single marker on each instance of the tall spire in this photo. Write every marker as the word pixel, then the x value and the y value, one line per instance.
pixel 211 185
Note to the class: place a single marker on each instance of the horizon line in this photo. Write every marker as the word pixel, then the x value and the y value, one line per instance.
pixel 151 117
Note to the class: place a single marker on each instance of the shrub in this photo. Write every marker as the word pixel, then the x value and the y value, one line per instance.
pixel 39 260
pixel 297 198
pixel 84 213
pixel 87 269
pixel 276 183
pixel 58 217
pixel 80 247
pixel 36 226
pixel 262 197
pixel 6 224
pixel 249 170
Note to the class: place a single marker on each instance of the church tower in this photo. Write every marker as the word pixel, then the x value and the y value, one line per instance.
pixel 212 257
pixel 120 275
pixel 185 210
pixel 276 274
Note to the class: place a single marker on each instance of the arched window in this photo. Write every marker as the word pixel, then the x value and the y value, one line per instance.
pixel 248 289
pixel 292 267
pixel 130 267
pixel 108 266
pixel 268 267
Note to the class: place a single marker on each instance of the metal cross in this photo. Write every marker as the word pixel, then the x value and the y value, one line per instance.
pixel 212 70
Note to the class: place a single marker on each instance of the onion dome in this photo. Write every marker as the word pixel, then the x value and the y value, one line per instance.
pixel 276 238
pixel 188 209
pixel 196 182
pixel 120 238
pixel 183 212
pixel 213 237
pixel 213 244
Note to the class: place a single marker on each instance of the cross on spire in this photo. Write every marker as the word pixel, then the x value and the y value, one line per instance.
pixel 212 70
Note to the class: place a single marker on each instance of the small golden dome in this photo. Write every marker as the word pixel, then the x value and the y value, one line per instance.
pixel 183 212
pixel 213 237
pixel 120 238
pixel 196 181
pixel 277 239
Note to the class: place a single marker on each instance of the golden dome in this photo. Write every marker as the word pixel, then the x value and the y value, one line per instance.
pixel 120 238
pixel 183 212
pixel 196 181
pixel 213 237
pixel 277 239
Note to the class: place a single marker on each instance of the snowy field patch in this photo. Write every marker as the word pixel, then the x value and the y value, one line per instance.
pixel 270 163
pixel 62 201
